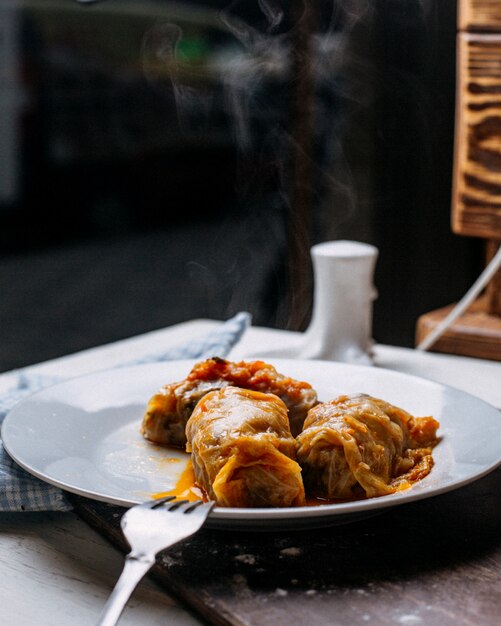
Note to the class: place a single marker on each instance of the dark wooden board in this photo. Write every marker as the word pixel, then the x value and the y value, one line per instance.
pixel 433 562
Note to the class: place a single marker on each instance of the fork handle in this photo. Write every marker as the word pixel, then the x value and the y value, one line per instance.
pixel 133 571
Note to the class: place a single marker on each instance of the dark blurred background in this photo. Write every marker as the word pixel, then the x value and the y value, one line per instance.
pixel 162 161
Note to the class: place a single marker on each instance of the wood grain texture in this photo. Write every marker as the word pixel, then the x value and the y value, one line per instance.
pixel 57 571
pixel 435 562
pixel 476 198
pixel 477 174
pixel 479 15
pixel 476 333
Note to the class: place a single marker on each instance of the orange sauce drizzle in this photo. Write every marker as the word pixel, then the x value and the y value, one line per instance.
pixel 185 487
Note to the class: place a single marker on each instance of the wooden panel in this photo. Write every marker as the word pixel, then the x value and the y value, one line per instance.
pixel 480 15
pixel 435 562
pixel 477 174
pixel 476 197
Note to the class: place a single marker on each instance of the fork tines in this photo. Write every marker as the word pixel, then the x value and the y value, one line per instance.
pixel 185 506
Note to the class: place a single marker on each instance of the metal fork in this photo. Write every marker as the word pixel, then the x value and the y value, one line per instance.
pixel 149 528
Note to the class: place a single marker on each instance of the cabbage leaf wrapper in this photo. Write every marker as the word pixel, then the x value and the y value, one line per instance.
pixel 168 411
pixel 242 450
pixel 357 446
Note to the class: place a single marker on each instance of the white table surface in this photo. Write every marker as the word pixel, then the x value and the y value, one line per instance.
pixel 55 570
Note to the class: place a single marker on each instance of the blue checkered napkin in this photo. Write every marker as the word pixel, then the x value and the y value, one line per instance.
pixel 19 490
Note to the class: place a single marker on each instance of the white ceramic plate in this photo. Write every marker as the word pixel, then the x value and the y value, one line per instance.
pixel 83 436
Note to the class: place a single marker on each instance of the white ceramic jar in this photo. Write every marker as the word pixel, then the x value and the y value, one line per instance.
pixel 341 323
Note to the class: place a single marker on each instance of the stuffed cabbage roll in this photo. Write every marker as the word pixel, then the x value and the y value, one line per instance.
pixel 168 411
pixel 359 445
pixel 242 450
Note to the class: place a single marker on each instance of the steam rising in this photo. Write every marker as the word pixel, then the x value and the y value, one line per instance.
pixel 273 12
pixel 258 57
pixel 253 77
pixel 162 63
